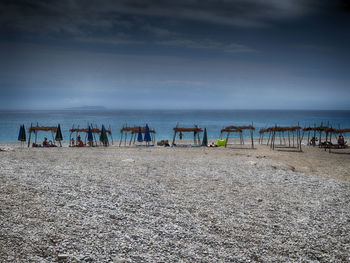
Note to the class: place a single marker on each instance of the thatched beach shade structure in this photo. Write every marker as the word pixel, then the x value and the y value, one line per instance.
pixel 262 133
pixel 339 145
pixel 313 131
pixel 238 129
pixel 37 128
pixel 94 131
pixel 196 130
pixel 281 132
pixel 291 135
pixel 134 132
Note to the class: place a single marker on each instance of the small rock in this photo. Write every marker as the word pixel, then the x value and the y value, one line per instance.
pixel 62 256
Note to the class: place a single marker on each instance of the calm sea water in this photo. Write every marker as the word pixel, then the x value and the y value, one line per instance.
pixel 164 120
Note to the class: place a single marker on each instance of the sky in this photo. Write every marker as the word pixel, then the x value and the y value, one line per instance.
pixel 184 54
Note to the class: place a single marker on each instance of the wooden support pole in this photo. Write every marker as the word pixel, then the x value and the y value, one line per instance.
pixel 30 134
pixel 121 138
pixel 268 141
pixel 174 138
pixel 132 135
pixel 288 139
pixel 228 134
pixel 251 136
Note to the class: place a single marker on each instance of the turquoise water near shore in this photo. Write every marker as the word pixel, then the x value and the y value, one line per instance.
pixel 163 121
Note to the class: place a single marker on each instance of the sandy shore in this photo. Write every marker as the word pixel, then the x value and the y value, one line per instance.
pixel 121 204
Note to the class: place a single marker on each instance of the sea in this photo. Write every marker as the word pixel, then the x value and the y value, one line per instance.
pixel 163 121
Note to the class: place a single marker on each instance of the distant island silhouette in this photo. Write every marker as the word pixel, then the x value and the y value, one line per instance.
pixel 87 107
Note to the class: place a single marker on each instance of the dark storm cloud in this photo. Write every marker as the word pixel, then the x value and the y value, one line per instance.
pixel 84 18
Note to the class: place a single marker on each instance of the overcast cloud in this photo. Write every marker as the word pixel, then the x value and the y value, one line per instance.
pixel 174 54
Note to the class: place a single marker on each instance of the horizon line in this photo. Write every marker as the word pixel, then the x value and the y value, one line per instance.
pixel 169 109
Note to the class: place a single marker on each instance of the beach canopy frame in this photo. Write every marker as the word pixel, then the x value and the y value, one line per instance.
pixel 312 132
pixel 37 128
pixel 134 134
pixel 93 130
pixel 290 132
pixel 280 131
pixel 331 131
pixel 238 129
pixel 196 130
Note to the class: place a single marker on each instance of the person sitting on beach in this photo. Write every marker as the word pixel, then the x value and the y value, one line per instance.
pixel 79 142
pixel 72 142
pixel 45 143
pixel 51 144
pixel 313 141
pixel 341 142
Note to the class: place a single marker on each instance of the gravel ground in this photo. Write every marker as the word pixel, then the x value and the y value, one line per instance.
pixel 166 205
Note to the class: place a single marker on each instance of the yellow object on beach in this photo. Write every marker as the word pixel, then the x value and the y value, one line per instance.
pixel 221 142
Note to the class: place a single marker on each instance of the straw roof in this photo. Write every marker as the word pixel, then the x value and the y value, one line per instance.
pixel 195 129
pixel 332 130
pixel 230 130
pixel 94 130
pixel 135 129
pixel 319 128
pixel 280 129
pixel 42 128
pixel 249 127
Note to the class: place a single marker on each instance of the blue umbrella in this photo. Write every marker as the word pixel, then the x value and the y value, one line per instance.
pixel 90 137
pixel 20 133
pixel 147 137
pixel 139 136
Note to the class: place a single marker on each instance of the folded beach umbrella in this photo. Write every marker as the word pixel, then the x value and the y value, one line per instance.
pixel 205 138
pixel 139 136
pixel 90 137
pixel 59 136
pixel 24 138
pixel 147 137
pixel 22 134
pixel 103 136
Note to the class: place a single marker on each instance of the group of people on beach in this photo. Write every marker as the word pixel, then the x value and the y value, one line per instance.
pixel 341 141
pixel 78 143
pixel 45 143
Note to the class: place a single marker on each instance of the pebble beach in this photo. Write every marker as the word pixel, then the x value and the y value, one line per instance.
pixel 161 204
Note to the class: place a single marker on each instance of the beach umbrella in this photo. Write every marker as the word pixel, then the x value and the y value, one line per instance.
pixel 147 137
pixel 59 136
pixel 90 137
pixel 103 136
pixel 139 136
pixel 205 138
pixel 22 134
